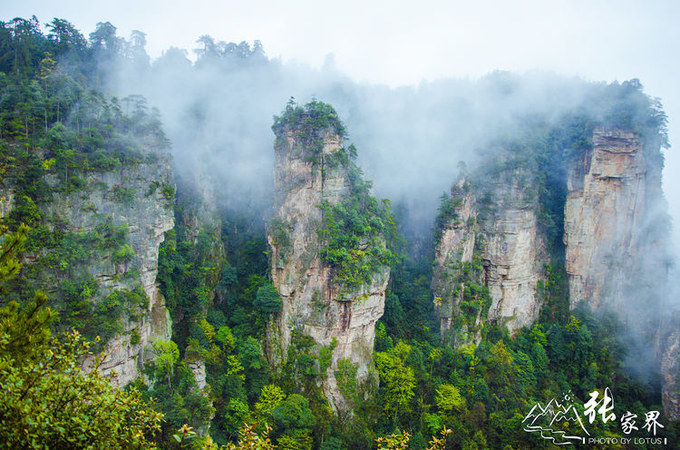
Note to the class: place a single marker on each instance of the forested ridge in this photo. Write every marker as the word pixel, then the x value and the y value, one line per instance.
pixel 61 128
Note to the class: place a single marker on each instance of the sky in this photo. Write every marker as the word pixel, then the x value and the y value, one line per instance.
pixel 404 43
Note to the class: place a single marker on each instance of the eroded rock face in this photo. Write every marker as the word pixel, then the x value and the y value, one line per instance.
pixel 494 243
pixel 516 255
pixel 6 202
pixel 670 371
pixel 456 245
pixel 312 302
pixel 617 260
pixel 606 205
pixel 148 216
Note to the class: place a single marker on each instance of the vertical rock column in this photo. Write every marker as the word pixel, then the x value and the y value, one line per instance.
pixel 147 218
pixel 617 250
pixel 312 301
pixel 492 240
pixel 605 206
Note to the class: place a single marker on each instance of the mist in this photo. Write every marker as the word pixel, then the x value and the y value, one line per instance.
pixel 218 110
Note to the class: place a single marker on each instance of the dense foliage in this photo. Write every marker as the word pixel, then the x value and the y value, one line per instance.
pixel 309 124
pixel 57 132
pixel 58 129
pixel 353 235
pixel 46 399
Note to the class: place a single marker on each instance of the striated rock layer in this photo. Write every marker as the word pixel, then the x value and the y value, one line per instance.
pixel 606 204
pixel 617 250
pixel 313 302
pixel 615 247
pixel 491 241
pixel 147 217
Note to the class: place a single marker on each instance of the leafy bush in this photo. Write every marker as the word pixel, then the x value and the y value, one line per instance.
pixel 102 161
pixel 353 239
pixel 124 254
pixel 267 299
pixel 89 410
pixel 168 192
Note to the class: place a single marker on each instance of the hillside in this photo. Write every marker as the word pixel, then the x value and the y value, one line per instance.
pixel 250 276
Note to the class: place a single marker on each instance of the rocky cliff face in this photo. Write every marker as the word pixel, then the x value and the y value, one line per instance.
pixel 670 372
pixel 146 211
pixel 607 206
pixel 488 259
pixel 616 246
pixel 313 302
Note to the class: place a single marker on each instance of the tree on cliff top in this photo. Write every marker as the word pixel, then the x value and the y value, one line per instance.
pixel 313 116
pixel 309 124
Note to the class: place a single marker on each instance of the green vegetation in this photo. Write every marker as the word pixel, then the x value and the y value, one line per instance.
pixel 46 399
pixel 528 169
pixel 188 274
pixel 267 299
pixel 280 235
pixel 121 194
pixel 62 267
pixel 58 132
pixel 488 387
pixel 354 233
pixel 353 240
pixel 471 297
pixel 398 380
pixel 54 121
pixel 309 124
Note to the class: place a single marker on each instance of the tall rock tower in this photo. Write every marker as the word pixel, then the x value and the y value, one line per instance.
pixel 329 260
pixel 490 255
pixel 581 194
pixel 613 252
pixel 616 243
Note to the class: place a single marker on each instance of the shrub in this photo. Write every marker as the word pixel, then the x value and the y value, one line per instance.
pixel 267 299
pixel 124 195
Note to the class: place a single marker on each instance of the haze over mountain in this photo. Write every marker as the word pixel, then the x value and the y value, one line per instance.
pixel 254 240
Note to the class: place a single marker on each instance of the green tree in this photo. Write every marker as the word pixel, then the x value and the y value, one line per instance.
pixel 167 354
pixel 25 328
pixel 267 299
pixel 251 440
pixel 270 397
pixel 46 399
pixel 449 400
pixel 293 413
pixel 294 422
pixel 236 415
pixel 397 380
